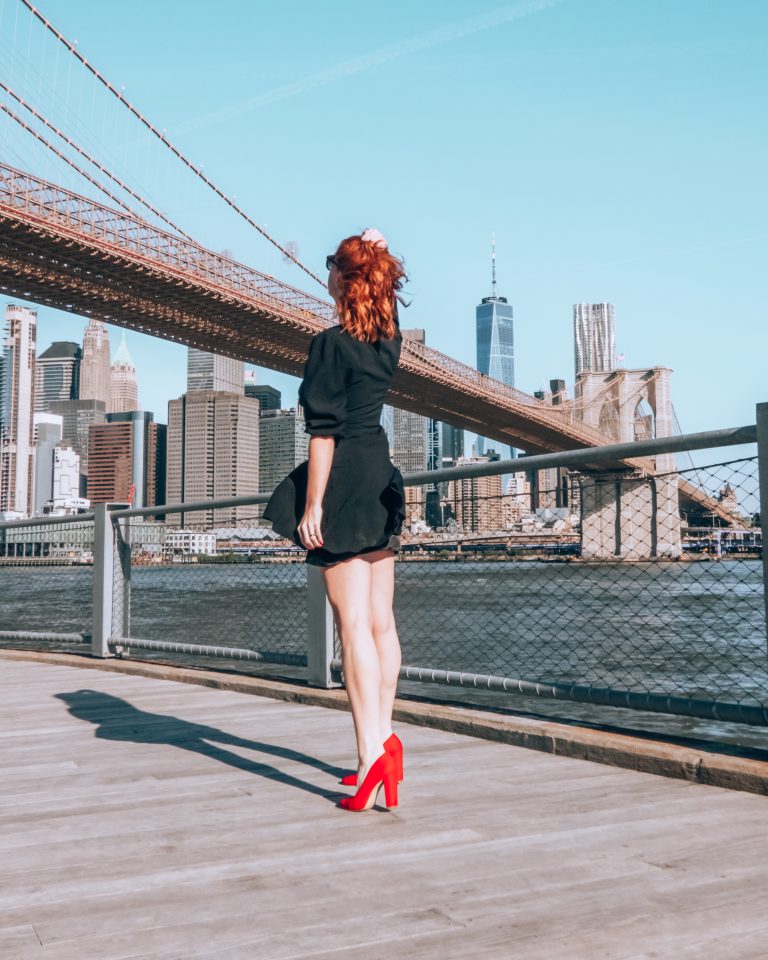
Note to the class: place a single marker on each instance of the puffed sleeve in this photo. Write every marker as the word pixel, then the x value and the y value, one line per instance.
pixel 323 391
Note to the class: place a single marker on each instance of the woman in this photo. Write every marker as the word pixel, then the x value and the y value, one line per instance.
pixel 345 504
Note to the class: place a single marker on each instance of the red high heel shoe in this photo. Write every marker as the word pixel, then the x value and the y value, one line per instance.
pixel 383 773
pixel 394 747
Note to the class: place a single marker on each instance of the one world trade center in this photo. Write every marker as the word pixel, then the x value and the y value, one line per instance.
pixel 495 349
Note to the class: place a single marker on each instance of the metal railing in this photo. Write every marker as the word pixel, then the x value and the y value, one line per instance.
pixel 588 588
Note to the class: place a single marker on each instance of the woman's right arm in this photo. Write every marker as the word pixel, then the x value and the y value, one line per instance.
pixel 323 396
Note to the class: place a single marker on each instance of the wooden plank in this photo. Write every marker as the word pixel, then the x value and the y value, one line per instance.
pixel 166 821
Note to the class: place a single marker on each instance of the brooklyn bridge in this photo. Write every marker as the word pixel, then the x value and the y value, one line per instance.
pixel 64 250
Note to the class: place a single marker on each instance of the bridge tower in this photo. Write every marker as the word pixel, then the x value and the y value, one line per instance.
pixel 628 516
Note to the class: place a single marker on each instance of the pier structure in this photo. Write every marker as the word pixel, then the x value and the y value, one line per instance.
pixel 635 516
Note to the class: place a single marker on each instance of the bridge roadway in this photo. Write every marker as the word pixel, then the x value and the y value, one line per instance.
pixel 66 251
pixel 144 818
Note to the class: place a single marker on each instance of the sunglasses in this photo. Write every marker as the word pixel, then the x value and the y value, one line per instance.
pixel 330 261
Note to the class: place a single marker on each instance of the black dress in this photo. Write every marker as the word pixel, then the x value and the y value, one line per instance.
pixel 345 383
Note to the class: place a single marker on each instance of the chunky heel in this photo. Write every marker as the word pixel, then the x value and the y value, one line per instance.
pixel 398 758
pixel 382 772
pixel 390 791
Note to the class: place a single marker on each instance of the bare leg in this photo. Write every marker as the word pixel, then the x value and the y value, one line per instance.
pixel 385 634
pixel 348 585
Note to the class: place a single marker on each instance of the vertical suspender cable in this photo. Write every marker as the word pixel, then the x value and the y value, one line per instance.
pixel 162 137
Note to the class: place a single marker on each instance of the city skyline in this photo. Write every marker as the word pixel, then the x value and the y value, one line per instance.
pixel 649 229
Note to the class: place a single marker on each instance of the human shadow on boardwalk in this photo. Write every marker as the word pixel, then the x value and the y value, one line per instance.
pixel 116 719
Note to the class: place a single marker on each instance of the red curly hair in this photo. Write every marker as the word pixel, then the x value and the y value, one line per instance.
pixel 368 281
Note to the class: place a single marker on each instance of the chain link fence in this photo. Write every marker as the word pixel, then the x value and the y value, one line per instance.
pixel 614 589
pixel 689 621
pixel 224 588
pixel 46 584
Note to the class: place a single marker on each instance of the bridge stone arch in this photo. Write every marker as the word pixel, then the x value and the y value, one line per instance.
pixel 611 398
pixel 629 517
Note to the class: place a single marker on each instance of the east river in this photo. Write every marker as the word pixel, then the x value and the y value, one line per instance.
pixel 689 628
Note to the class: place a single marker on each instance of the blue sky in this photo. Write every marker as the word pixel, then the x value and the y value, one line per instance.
pixel 616 148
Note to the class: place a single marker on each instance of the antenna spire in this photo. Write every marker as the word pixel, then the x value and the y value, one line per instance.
pixel 493 264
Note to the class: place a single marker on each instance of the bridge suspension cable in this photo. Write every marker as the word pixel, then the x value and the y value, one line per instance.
pixel 66 159
pixel 84 153
pixel 286 251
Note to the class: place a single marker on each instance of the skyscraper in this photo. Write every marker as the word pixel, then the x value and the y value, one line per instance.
pixel 66 476
pixel 124 391
pixel 95 371
pixel 495 347
pixel 17 402
pixel 269 397
pixel 213 452
pixel 47 435
pixel 594 334
pixel 409 441
pixel 209 371
pixel 78 416
pixel 452 444
pixel 476 502
pixel 127 456
pixel 283 445
pixel 57 374
pixel 408 433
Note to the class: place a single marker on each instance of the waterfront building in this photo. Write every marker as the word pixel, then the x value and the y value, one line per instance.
pixel 213 453
pixel 269 397
pixel 283 444
pixel 211 372
pixel 57 374
pixel 78 417
pixel 476 502
pixel 127 460
pixel 189 543
pixel 74 540
pixel 47 434
pixel 494 331
pixel 124 391
pixel 594 337
pixel 244 540
pixel 95 367
pixel 17 404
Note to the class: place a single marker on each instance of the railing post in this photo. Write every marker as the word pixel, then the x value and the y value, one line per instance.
pixel 121 581
pixel 319 631
pixel 103 580
pixel 762 469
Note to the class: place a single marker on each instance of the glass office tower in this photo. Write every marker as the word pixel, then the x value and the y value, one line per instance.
pixel 495 354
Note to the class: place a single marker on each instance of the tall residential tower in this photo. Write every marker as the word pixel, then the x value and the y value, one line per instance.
pixel 594 333
pixel 17 404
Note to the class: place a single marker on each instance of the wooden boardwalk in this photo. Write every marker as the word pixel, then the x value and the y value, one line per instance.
pixel 145 818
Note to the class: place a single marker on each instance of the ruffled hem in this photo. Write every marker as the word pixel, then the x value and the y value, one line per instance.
pixel 352 520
